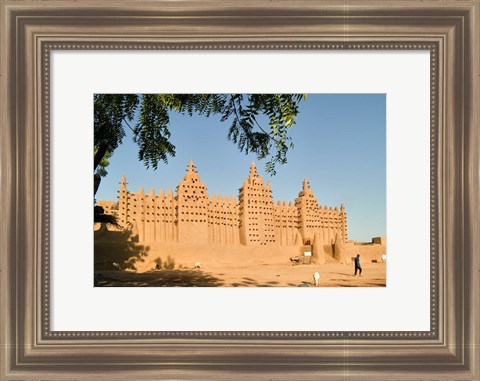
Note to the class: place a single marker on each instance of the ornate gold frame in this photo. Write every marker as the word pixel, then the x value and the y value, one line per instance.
pixel 32 29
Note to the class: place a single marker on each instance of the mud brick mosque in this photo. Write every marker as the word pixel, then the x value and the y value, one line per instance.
pixel 191 226
pixel 191 216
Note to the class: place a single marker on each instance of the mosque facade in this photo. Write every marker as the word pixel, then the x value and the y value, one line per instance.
pixel 192 216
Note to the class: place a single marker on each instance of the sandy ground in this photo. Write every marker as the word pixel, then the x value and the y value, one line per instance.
pixel 264 275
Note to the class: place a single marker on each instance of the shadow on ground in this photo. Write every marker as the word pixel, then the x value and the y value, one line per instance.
pixel 119 247
pixel 249 282
pixel 349 275
pixel 162 278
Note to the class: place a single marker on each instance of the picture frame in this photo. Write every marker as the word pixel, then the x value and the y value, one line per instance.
pixel 31 30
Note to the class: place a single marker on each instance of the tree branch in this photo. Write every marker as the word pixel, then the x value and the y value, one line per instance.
pixel 260 127
pixel 102 150
pixel 128 125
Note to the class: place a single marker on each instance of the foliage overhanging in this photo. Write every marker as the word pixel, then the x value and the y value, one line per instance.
pixel 242 111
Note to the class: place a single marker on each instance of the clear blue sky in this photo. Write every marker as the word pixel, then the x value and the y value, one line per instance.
pixel 340 147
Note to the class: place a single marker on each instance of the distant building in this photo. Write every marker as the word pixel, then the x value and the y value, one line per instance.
pixel 191 216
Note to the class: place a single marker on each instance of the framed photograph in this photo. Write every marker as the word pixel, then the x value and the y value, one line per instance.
pixel 187 235
pixel 372 107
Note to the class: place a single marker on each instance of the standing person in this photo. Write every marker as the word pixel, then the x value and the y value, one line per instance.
pixel 357 265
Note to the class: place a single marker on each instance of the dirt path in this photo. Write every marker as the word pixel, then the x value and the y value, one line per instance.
pixel 275 275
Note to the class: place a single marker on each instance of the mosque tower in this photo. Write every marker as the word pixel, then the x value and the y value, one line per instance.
pixel 123 202
pixel 192 208
pixel 307 205
pixel 256 211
